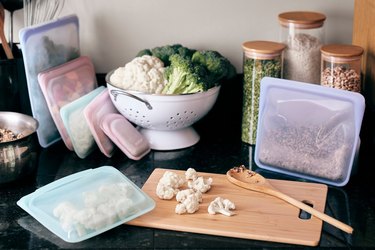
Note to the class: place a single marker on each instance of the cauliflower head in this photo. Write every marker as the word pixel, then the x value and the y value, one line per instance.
pixel 144 74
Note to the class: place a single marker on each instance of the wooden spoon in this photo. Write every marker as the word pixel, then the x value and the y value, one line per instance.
pixel 3 39
pixel 251 180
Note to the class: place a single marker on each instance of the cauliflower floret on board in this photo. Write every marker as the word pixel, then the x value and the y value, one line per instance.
pixel 183 195
pixel 144 73
pixel 191 174
pixel 189 205
pixel 169 185
pixel 220 205
pixel 172 179
pixel 165 192
pixel 201 184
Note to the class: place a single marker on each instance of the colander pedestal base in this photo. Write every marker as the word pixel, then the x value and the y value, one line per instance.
pixel 170 139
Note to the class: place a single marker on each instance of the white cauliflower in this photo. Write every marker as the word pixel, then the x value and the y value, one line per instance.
pixel 200 184
pixel 183 194
pixel 165 192
pixel 168 185
pixel 65 212
pixel 191 174
pixel 189 205
pixel 220 205
pixel 145 74
pixel 102 207
pixel 172 179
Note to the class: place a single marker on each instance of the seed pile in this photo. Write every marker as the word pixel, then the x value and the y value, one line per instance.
pixel 302 58
pixel 7 135
pixel 310 150
pixel 254 71
pixel 341 77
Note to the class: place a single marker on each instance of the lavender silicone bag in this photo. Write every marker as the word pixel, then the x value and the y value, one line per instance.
pixel 45 46
pixel 308 131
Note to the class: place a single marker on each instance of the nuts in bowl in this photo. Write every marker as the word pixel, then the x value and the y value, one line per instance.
pixel 18 153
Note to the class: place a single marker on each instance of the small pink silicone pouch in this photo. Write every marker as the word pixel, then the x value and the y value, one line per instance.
pixel 65 83
pixel 130 141
pixel 94 113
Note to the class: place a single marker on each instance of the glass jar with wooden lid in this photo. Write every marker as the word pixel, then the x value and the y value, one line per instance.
pixel 303 33
pixel 341 66
pixel 260 59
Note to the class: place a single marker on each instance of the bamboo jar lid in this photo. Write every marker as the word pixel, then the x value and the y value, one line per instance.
pixel 302 19
pixel 263 49
pixel 342 50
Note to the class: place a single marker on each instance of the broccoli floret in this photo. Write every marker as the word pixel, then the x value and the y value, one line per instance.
pixel 186 52
pixel 189 70
pixel 144 52
pixel 184 76
pixel 164 52
pixel 218 67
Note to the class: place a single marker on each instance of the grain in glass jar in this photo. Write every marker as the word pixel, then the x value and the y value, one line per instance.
pixel 260 59
pixel 341 66
pixel 303 33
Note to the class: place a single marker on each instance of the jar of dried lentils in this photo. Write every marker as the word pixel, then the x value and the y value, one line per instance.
pixel 341 66
pixel 260 59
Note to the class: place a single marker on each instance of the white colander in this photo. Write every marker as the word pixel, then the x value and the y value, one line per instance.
pixel 165 120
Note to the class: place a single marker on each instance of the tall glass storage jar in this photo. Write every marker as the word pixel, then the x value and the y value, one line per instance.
pixel 341 66
pixel 303 33
pixel 260 59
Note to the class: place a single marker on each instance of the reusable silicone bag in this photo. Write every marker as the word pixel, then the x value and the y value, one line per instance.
pixel 45 46
pixel 94 112
pixel 85 204
pixel 308 131
pixel 65 83
pixel 131 142
pixel 76 124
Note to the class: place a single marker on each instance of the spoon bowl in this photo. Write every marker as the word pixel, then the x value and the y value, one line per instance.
pixel 251 180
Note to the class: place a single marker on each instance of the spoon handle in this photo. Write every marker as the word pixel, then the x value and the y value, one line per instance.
pixel 344 227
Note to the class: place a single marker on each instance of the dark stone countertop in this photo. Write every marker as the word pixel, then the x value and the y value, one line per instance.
pixel 218 150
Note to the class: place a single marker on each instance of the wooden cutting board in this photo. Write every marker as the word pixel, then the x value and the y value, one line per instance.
pixel 258 216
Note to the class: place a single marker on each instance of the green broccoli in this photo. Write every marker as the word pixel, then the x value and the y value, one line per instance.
pixel 218 67
pixel 184 76
pixel 186 52
pixel 189 70
pixel 144 52
pixel 164 52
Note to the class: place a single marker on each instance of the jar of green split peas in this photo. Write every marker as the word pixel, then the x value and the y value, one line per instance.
pixel 260 59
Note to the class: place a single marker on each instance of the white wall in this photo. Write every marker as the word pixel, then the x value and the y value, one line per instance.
pixel 113 31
